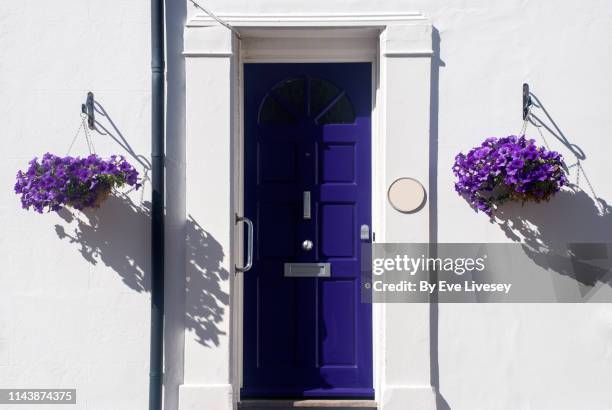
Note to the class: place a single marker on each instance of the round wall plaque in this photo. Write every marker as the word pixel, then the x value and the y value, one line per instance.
pixel 406 195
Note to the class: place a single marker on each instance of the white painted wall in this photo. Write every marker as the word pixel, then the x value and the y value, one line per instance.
pixel 73 318
pixel 74 311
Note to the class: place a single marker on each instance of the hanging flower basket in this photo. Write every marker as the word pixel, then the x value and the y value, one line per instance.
pixel 80 183
pixel 508 169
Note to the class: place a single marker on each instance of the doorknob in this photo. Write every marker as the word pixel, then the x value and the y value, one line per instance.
pixel 307 245
pixel 249 224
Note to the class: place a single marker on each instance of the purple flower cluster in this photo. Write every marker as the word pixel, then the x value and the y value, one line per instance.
pixel 509 168
pixel 55 181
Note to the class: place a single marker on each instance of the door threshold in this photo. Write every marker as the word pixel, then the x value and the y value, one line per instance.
pixel 307 403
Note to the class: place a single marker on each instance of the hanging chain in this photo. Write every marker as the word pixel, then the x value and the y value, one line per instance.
pixel 143 182
pixel 90 146
pixel 76 135
pixel 525 122
pixel 88 139
pixel 578 164
pixel 538 127
pixel 92 150
pixel 580 170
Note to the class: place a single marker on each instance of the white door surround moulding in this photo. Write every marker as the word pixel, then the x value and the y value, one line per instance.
pixel 278 28
pixel 399 47
pixel 307 20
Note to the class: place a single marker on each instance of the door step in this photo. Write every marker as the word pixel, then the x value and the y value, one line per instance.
pixel 307 404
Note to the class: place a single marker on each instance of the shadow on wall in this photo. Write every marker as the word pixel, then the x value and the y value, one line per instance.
pixel 113 236
pixel 563 234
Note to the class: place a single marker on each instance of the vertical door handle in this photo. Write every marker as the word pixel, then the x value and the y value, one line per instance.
pixel 249 262
pixel 306 205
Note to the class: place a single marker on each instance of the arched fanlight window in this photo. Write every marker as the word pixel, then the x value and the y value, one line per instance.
pixel 324 103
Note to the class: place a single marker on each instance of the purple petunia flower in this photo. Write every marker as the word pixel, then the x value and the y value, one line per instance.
pixel 55 182
pixel 508 168
pixel 515 166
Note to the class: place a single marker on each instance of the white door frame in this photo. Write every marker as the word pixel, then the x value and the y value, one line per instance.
pixel 399 47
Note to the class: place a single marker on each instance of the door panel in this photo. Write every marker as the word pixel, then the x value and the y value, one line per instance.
pixel 307 129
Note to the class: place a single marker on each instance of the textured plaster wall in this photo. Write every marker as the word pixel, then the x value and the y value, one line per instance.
pixel 74 288
pixel 74 303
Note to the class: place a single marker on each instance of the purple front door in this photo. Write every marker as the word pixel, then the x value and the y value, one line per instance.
pixel 308 191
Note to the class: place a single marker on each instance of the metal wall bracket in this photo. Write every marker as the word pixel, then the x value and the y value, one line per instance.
pixel 88 109
pixel 526 101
